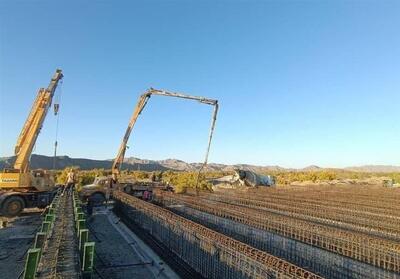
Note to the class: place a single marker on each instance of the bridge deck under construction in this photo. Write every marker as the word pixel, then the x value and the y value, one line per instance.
pixel 60 255
pixel 278 233
pixel 210 253
pixel 313 239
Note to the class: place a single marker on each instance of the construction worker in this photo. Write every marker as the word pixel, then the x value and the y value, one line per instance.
pixel 109 188
pixel 89 208
pixel 146 195
pixel 113 180
pixel 70 183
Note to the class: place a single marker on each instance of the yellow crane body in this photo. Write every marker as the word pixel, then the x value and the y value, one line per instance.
pixel 20 187
pixel 14 180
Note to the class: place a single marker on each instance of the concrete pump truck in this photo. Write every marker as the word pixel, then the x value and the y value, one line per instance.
pixel 20 187
pixel 98 190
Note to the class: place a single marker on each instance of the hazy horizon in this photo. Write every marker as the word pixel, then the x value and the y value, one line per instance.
pixel 237 163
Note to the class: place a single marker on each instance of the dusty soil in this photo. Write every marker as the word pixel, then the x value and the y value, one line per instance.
pixel 15 240
pixel 114 256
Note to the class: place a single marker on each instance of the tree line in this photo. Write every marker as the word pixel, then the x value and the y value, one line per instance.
pixel 182 180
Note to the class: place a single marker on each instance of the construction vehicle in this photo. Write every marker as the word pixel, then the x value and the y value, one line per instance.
pixel 250 178
pixel 20 187
pixel 243 178
pixel 102 187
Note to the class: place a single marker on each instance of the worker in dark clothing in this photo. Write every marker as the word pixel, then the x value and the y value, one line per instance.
pixel 89 207
pixel 113 180
pixel 146 195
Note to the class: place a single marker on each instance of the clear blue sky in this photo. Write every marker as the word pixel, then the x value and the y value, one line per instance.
pixel 299 82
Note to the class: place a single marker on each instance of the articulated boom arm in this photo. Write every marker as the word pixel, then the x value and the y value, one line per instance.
pixel 121 152
pixel 33 123
pixel 139 108
pixel 203 100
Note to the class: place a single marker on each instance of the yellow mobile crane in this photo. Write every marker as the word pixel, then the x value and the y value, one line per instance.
pixel 102 185
pixel 20 187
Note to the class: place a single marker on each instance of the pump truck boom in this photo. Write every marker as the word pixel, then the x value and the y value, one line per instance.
pixel 20 187
pixel 102 185
pixel 139 107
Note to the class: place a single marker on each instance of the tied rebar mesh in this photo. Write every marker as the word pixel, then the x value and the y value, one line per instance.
pixel 210 253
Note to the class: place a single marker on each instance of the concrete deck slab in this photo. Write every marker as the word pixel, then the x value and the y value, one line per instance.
pixel 120 253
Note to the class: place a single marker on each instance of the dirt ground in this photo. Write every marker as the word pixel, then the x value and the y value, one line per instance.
pixel 115 253
pixel 15 240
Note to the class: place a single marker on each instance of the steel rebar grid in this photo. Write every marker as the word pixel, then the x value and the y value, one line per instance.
pixel 239 256
pixel 60 258
pixel 370 199
pixel 372 250
pixel 365 222
pixel 317 260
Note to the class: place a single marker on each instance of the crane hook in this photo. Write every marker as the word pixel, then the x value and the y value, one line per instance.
pixel 56 108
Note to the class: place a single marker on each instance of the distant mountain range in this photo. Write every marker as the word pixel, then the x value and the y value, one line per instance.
pixel 46 162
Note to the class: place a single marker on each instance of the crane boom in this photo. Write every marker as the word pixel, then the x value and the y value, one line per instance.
pixel 143 99
pixel 33 124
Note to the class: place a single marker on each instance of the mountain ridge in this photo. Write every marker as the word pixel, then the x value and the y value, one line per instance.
pixel 132 163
